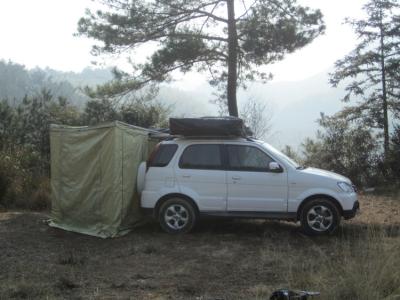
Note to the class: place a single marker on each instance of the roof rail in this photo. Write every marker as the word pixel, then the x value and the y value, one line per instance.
pixel 202 137
pixel 168 137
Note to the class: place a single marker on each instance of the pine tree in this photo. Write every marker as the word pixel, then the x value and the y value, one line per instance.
pixel 373 67
pixel 226 38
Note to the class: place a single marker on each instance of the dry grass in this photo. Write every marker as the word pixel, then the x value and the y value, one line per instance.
pixel 364 265
pixel 219 260
pixel 368 268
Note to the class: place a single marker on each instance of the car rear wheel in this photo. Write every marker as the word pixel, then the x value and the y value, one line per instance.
pixel 177 215
pixel 319 217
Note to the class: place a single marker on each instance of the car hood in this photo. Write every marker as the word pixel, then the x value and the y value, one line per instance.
pixel 326 174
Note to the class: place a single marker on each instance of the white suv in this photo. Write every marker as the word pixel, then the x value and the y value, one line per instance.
pixel 188 178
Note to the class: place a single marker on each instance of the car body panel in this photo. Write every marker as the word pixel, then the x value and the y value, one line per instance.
pixel 206 187
pixel 257 192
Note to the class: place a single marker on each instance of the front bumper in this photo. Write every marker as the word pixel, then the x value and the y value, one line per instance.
pixel 351 213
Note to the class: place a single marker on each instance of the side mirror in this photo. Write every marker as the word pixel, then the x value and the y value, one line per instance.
pixel 275 167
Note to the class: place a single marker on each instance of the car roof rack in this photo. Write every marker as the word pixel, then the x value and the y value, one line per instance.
pixel 168 137
pixel 213 137
pixel 250 139
pixel 206 137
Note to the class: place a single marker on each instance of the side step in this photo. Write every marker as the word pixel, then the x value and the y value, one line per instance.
pixel 251 215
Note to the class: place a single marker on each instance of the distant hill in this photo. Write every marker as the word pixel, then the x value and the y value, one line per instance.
pixel 16 81
pixel 295 106
pixel 87 76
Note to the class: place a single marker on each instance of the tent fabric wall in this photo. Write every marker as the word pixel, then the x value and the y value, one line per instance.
pixel 93 177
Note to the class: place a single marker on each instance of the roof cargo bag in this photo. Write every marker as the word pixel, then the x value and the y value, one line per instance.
pixel 208 126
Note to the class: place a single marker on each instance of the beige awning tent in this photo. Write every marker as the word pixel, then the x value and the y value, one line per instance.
pixel 93 177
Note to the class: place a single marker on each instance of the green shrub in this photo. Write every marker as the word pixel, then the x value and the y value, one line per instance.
pixel 40 198
pixel 11 178
pixel 20 186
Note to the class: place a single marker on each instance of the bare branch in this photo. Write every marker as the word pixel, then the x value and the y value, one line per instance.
pixel 203 12
pixel 247 10
pixel 206 20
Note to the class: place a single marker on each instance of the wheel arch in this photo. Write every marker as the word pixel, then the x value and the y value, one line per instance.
pixel 174 195
pixel 319 196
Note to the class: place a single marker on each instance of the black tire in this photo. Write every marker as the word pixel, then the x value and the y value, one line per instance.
pixel 319 217
pixel 181 214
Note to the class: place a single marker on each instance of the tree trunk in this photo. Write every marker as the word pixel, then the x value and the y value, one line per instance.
pixel 232 60
pixel 384 94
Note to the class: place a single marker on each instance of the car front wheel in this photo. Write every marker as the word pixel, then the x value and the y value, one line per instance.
pixel 177 215
pixel 319 217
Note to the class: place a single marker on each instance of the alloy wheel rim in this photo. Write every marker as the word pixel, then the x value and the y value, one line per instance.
pixel 176 216
pixel 320 218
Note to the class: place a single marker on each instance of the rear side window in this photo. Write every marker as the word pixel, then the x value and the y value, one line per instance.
pixel 206 157
pixel 163 155
pixel 247 158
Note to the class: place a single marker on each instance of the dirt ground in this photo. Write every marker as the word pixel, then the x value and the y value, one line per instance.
pixel 221 259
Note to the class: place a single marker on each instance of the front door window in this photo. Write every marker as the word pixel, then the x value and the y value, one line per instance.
pixel 247 158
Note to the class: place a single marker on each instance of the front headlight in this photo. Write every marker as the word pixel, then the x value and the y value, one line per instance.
pixel 346 187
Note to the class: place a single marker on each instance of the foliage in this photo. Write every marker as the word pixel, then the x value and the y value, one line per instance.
pixel 393 161
pixel 27 125
pixel 348 149
pixel 99 111
pixel 145 114
pixel 7 124
pixel 140 111
pixel 290 152
pixel 20 187
pixel 373 67
pixel 25 148
pixel 200 35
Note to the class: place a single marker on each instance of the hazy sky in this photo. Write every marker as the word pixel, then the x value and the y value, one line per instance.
pixel 40 33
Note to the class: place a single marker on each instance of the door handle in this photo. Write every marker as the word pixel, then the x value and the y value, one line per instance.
pixel 186 176
pixel 236 178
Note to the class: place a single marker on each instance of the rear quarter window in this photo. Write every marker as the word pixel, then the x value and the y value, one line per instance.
pixel 163 156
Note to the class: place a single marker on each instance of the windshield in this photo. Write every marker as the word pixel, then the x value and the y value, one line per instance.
pixel 281 156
